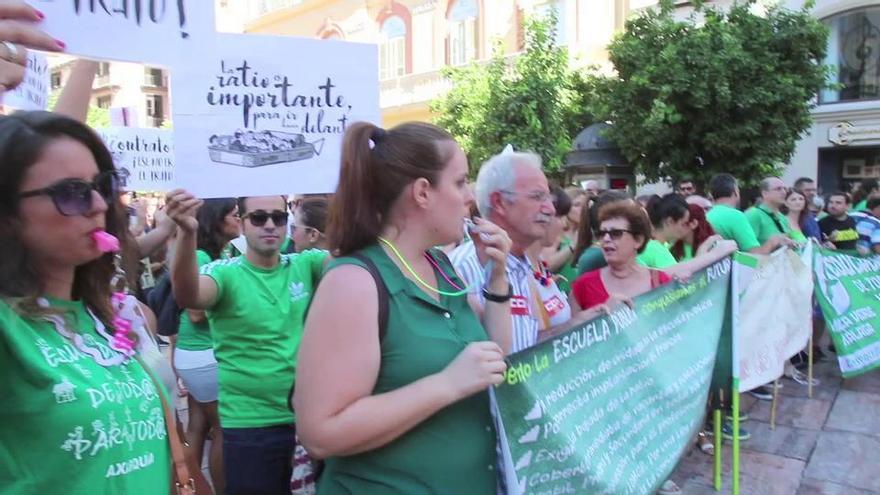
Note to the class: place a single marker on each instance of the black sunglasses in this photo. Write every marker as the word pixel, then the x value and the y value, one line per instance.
pixel 259 217
pixel 74 196
pixel 614 233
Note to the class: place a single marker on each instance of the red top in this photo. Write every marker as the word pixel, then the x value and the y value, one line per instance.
pixel 589 290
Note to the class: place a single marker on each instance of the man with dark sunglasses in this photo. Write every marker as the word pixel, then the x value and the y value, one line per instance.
pixel 256 306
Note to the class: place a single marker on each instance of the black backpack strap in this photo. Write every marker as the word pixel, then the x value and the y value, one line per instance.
pixel 382 290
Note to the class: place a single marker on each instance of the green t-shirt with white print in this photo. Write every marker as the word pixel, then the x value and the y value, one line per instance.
pixel 76 418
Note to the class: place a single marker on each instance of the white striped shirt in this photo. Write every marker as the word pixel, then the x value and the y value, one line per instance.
pixel 519 270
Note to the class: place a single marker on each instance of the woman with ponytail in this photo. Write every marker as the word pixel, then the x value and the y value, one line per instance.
pixel 395 364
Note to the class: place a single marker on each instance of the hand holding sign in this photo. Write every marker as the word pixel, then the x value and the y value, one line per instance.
pixel 181 207
pixel 476 368
pixel 17 33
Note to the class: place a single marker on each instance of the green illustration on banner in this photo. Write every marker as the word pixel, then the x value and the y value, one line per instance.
pixel 848 290
pixel 611 406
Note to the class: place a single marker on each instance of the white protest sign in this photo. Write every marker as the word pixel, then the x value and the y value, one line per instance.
pixel 774 314
pixel 151 31
pixel 263 115
pixel 144 157
pixel 33 92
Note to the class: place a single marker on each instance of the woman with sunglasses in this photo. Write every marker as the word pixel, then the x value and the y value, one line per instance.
pixel 79 411
pixel 310 222
pixel 402 405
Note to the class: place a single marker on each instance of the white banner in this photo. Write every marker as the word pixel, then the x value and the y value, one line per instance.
pixel 33 92
pixel 159 32
pixel 262 115
pixel 144 157
pixel 774 313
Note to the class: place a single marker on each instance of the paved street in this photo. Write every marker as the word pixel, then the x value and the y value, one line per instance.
pixel 827 445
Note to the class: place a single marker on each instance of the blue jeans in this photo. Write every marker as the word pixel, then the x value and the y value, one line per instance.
pixel 258 461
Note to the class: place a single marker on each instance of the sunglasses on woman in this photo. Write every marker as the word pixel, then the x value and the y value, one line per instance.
pixel 614 233
pixel 259 217
pixel 73 197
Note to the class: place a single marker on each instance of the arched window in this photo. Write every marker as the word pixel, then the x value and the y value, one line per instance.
pixel 392 48
pixel 462 23
pixel 854 49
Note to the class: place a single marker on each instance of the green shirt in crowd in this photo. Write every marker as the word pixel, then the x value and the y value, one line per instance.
pixel 257 324
pixel 733 225
pixel 568 271
pixel 195 336
pixel 656 255
pixel 591 259
pixel 687 253
pixel 451 452
pixel 861 205
pixel 766 223
pixel 75 418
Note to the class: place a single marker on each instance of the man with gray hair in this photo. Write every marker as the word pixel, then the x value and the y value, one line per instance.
pixel 513 193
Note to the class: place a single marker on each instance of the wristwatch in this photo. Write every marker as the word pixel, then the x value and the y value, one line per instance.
pixel 497 297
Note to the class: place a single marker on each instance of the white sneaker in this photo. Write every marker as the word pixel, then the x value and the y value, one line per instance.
pixel 669 488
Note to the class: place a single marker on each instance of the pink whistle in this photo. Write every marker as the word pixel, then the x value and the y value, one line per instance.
pixel 106 243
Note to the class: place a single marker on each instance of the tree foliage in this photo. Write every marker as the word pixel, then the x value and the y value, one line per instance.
pixel 534 102
pixel 717 92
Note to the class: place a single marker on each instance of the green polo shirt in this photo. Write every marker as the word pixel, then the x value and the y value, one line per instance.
pixel 733 225
pixel 761 219
pixel 257 324
pixel 656 255
pixel 453 451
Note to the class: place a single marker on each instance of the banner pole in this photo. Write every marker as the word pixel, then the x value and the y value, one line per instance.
pixel 810 367
pixel 735 467
pixel 717 423
pixel 773 404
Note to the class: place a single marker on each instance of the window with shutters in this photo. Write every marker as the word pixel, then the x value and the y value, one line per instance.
pixel 462 23
pixel 392 49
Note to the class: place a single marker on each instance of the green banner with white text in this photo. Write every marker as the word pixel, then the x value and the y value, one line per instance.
pixel 612 405
pixel 848 290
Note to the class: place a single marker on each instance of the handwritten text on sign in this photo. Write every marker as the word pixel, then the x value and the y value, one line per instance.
pixel 249 122
pixel 149 31
pixel 610 406
pixel 143 157
pixel 33 92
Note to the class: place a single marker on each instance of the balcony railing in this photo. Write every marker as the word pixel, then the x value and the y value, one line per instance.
pixel 102 80
pixel 411 89
pixel 154 80
pixel 155 121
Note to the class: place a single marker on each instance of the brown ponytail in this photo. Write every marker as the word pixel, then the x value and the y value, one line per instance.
pixel 376 166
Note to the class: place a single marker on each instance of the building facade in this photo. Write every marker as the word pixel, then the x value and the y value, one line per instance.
pixel 843 146
pixel 141 90
pixel 417 38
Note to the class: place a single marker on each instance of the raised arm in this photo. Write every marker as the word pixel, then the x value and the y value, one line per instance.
pixel 77 93
pixel 336 413
pixel 191 290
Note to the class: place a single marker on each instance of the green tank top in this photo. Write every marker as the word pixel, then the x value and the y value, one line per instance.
pixel 453 451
